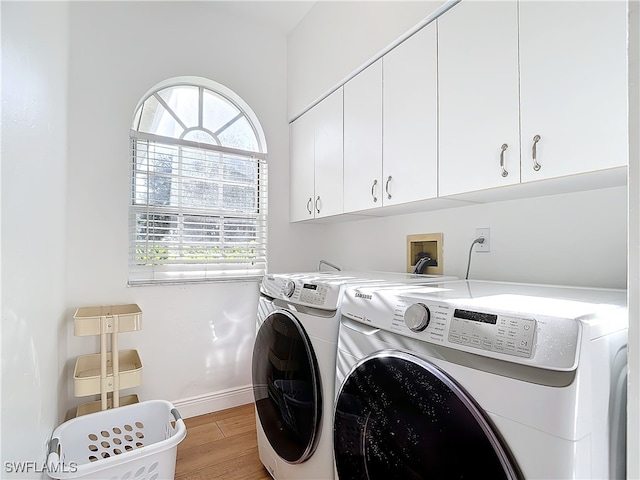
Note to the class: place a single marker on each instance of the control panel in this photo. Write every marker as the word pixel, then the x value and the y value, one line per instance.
pixel 497 333
pixel 445 317
pixel 301 291
pixel 313 293
pixel 511 335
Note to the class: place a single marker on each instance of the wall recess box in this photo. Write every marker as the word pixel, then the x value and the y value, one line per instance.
pixel 425 244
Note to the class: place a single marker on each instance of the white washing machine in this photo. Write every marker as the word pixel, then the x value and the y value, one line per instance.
pixel 294 365
pixel 473 379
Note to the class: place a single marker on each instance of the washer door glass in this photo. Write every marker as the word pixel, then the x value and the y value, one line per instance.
pixel 400 417
pixel 286 387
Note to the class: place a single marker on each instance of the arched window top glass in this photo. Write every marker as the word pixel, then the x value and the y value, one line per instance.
pixel 193 109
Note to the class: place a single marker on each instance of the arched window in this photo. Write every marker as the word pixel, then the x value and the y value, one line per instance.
pixel 199 185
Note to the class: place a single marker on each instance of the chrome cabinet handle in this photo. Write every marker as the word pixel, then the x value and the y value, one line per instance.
pixel 502 149
pixel 386 187
pixel 375 182
pixel 536 165
pixel 316 204
pixel 309 206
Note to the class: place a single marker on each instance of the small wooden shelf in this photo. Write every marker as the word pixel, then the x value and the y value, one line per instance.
pixel 88 375
pixel 112 369
pixel 111 318
pixel 92 407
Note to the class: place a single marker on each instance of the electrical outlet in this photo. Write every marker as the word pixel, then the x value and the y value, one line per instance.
pixel 484 233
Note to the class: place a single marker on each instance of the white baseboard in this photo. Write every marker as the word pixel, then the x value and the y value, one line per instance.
pixel 215 401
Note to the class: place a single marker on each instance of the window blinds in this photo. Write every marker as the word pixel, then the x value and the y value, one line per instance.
pixel 198 212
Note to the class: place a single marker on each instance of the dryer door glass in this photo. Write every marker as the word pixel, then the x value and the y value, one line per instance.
pixel 400 417
pixel 286 387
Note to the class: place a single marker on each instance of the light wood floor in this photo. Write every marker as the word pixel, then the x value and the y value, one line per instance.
pixel 221 445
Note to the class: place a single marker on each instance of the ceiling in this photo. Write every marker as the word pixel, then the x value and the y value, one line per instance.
pixel 281 15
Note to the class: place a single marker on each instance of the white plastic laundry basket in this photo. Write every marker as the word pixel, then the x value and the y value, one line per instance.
pixel 136 442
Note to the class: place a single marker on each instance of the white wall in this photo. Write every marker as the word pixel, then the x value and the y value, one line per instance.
pixel 34 156
pixel 578 239
pixel 336 37
pixel 196 341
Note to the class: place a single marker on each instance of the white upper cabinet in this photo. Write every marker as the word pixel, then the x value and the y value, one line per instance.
pixel 363 140
pixel 410 120
pixel 328 152
pixel 301 169
pixel 316 161
pixel 478 83
pixel 529 95
pixel 573 81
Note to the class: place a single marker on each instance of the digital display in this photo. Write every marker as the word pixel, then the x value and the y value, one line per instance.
pixel 310 286
pixel 475 316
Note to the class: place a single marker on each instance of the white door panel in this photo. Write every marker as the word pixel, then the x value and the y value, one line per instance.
pixel 573 86
pixel 363 140
pixel 410 119
pixel 478 82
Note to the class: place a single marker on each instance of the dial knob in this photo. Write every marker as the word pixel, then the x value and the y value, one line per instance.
pixel 288 288
pixel 417 317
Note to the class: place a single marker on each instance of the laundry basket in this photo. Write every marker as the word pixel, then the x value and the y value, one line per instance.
pixel 138 441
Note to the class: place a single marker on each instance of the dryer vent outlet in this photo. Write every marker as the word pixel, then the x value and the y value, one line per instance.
pixel 425 250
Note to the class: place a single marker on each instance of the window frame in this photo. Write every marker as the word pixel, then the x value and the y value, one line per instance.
pixel 147 268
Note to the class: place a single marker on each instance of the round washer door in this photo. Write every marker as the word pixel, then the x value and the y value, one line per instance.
pixel 398 416
pixel 286 387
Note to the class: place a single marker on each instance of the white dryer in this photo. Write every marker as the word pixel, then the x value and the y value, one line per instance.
pixel 474 379
pixel 294 365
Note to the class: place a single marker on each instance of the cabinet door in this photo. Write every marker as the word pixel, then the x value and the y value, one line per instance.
pixel 478 82
pixel 363 140
pixel 410 116
pixel 301 191
pixel 573 69
pixel 328 155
